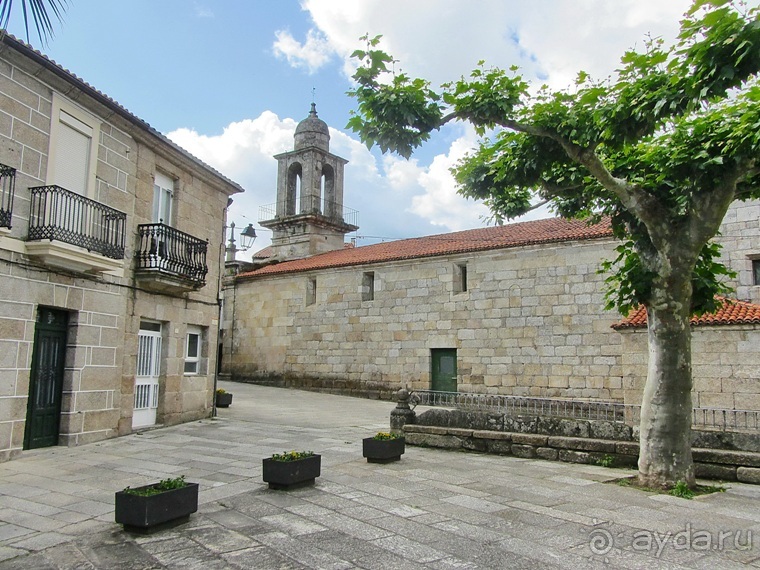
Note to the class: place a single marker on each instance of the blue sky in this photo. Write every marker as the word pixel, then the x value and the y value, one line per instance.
pixel 230 79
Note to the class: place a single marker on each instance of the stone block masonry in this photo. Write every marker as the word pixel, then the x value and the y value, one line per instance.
pixel 724 465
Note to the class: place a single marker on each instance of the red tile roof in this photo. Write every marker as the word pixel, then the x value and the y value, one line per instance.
pixel 732 312
pixel 482 239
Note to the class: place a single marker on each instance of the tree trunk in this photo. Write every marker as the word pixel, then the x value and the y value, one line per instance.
pixel 665 435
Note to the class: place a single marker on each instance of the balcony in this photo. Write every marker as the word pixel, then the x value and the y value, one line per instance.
pixel 72 232
pixel 169 260
pixel 7 190
pixel 309 209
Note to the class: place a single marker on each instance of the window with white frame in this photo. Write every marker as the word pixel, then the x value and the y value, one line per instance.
pixel 163 196
pixel 193 346
pixel 74 137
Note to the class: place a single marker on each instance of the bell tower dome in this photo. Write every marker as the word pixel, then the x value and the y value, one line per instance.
pixel 309 217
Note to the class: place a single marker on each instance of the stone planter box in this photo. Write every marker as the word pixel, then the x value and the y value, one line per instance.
pixel 148 514
pixel 223 400
pixel 383 450
pixel 283 475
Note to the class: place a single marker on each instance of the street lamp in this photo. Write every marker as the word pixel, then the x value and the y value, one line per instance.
pixel 247 237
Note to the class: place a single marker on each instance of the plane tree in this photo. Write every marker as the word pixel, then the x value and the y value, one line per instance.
pixel 662 147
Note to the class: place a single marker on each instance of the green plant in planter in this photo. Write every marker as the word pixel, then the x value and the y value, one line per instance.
pixel 383 447
pixel 160 487
pixel 159 505
pixel 291 455
pixel 385 436
pixel 223 398
pixel 291 469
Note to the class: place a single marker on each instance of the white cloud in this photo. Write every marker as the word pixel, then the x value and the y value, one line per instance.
pixel 203 11
pixel 312 54
pixel 443 39
pixel 439 40
pixel 395 198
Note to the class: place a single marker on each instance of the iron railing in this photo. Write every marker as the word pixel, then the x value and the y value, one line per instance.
pixel 7 191
pixel 309 205
pixel 725 419
pixel 707 418
pixel 164 249
pixel 518 405
pixel 63 215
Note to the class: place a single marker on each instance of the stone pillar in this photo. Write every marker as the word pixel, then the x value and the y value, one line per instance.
pixel 402 414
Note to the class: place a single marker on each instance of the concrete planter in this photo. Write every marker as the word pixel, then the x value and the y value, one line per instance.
pixel 383 450
pixel 283 475
pixel 147 514
pixel 223 400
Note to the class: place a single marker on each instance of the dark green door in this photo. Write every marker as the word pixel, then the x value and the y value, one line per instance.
pixel 43 414
pixel 443 369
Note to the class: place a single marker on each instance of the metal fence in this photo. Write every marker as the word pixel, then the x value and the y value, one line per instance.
pixel 310 205
pixel 707 418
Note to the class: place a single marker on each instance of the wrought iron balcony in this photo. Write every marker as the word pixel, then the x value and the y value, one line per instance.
pixel 58 214
pixel 171 259
pixel 7 190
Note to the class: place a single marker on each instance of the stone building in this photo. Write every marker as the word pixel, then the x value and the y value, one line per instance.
pixel 515 309
pixel 110 251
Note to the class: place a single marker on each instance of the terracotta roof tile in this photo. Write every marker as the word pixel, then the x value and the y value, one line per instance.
pixel 732 312
pixel 482 239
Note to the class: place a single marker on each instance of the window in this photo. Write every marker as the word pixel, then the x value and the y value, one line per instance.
pixel 756 271
pixel 460 278
pixel 193 350
pixel 163 196
pixel 311 292
pixel 368 286
pixel 74 136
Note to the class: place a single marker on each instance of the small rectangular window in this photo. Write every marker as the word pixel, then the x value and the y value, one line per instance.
pixel 368 286
pixel 311 292
pixel 460 278
pixel 193 350
pixel 756 271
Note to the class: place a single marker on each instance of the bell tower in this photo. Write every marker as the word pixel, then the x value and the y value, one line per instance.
pixel 309 217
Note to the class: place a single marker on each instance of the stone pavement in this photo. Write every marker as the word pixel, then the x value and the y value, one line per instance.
pixel 433 509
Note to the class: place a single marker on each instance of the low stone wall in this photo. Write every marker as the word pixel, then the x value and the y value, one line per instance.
pixel 725 465
pixel 339 386
pixel 727 456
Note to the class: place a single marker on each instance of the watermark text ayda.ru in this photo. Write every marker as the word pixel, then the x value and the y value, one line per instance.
pixel 602 541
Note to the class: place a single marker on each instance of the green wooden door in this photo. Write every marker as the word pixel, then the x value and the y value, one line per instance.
pixel 443 369
pixel 43 415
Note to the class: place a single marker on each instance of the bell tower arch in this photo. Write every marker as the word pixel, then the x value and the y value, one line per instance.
pixel 309 216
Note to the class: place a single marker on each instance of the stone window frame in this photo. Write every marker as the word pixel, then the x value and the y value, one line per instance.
pixel 461 284
pixel 65 113
pixel 311 291
pixel 368 286
pixel 755 269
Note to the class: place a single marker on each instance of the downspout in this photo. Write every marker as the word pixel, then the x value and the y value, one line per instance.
pixel 219 279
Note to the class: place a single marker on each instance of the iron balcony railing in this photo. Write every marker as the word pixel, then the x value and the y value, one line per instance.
pixel 309 205
pixel 7 190
pixel 708 418
pixel 63 215
pixel 167 250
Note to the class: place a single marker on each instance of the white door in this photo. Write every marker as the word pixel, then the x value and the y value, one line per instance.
pixel 148 371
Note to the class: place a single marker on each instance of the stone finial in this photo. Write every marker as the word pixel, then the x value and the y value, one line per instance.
pixel 402 414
